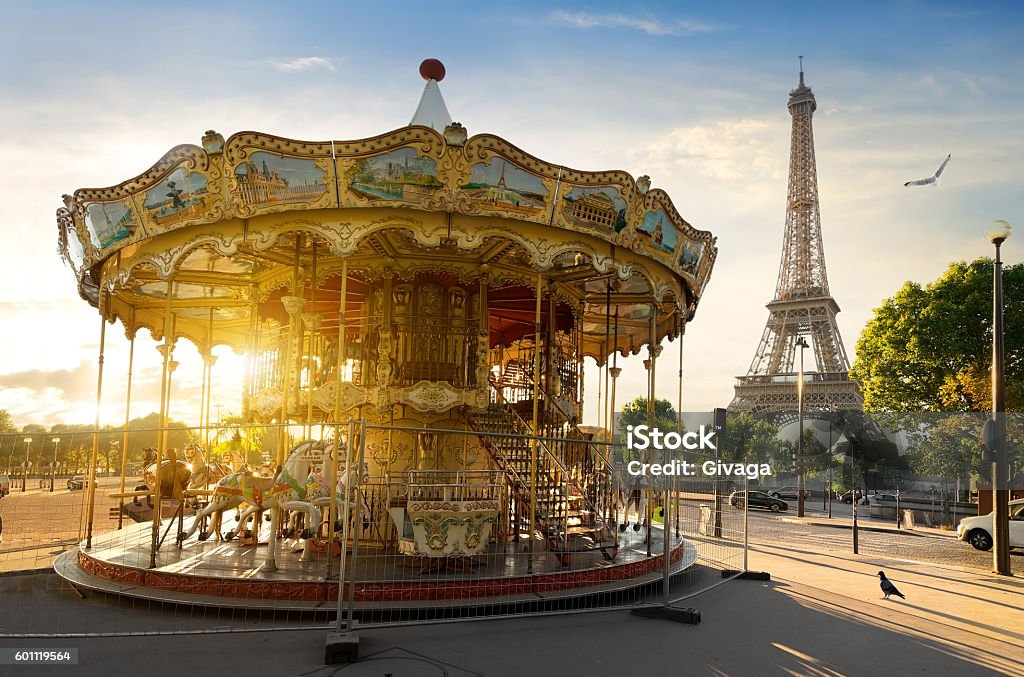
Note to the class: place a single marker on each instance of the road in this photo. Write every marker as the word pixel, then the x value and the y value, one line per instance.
pixel 771 528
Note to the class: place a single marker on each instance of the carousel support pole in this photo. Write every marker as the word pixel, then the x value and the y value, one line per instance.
pixel 615 372
pixel 96 428
pixel 357 521
pixel 653 352
pixel 607 364
pixel 671 507
pixel 332 510
pixel 166 349
pixel 343 642
pixel 293 306
pixel 536 422
pixel 203 436
pixel 209 361
pixel 208 374
pixel 311 345
pixel 127 420
pixel 579 362
pixel 679 414
pixel 252 352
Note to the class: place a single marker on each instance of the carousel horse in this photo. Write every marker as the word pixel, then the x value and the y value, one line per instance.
pixel 172 478
pixel 262 493
pixel 318 496
pixel 204 474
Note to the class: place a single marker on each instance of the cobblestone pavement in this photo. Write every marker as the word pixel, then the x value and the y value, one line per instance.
pixel 773 529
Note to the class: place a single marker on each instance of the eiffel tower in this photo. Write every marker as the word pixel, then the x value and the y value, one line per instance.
pixel 802 306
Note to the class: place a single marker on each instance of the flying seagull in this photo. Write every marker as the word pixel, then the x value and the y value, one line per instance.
pixel 932 180
pixel 887 587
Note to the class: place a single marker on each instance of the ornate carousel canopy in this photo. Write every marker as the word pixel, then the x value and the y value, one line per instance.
pixel 218 234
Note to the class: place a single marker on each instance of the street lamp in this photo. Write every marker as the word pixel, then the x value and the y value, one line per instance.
pixel 997 234
pixel 830 459
pixel 28 445
pixel 53 468
pixel 801 343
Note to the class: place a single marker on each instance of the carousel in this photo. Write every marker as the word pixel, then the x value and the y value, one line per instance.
pixel 414 311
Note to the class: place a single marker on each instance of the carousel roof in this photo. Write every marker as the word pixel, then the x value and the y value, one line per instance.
pixel 219 226
pixel 432 111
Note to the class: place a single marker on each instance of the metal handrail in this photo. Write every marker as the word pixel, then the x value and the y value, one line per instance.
pixel 581 492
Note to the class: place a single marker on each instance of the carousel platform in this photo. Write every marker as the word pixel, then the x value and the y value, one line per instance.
pixel 227 574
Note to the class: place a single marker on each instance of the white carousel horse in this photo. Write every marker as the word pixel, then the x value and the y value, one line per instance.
pixel 263 493
pixel 318 496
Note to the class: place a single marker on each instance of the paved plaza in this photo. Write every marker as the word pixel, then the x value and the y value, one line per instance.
pixel 821 614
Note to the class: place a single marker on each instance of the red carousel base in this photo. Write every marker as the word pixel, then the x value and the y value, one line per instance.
pixel 216 573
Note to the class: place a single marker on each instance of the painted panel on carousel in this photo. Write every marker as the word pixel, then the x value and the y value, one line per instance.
pixel 500 185
pixel 182 196
pixel 108 223
pixel 689 256
pixel 76 252
pixel 399 175
pixel 660 233
pixel 269 179
pixel 183 290
pixel 602 208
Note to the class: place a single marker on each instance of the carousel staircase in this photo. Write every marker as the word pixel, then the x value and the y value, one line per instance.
pixel 572 511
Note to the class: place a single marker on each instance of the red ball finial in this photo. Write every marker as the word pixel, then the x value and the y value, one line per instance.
pixel 432 69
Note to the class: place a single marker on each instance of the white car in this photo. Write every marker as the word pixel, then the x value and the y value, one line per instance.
pixel 978 530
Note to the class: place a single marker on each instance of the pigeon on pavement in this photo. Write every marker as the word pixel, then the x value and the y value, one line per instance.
pixel 932 180
pixel 887 587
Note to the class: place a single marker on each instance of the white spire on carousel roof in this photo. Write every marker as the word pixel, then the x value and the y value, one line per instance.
pixel 432 112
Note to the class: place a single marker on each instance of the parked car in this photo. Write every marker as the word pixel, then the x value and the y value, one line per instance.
pixel 77 482
pixel 848 496
pixel 758 499
pixel 788 492
pixel 978 530
pixel 5 485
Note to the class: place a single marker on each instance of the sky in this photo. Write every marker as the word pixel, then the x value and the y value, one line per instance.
pixel 692 94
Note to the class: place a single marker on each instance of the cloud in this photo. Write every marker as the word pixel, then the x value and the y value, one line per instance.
pixel 586 20
pixel 733 150
pixel 304 63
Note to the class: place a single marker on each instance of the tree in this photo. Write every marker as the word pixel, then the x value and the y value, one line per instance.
pixel 812 446
pixel 751 439
pixel 930 348
pixel 635 413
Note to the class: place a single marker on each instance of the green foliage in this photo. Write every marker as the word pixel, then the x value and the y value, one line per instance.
pixel 752 440
pixel 930 348
pixel 949 446
pixel 635 413
pixel 812 445
pixel 76 443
